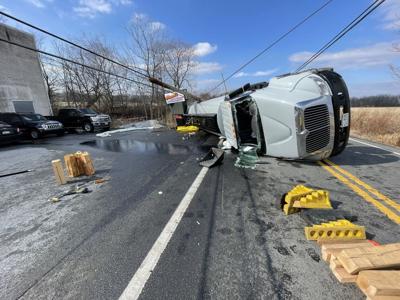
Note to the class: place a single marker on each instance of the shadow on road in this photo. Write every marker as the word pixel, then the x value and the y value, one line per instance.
pixel 364 155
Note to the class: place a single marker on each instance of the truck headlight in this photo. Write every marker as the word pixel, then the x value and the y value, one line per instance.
pixel 94 119
pixel 323 86
pixel 299 118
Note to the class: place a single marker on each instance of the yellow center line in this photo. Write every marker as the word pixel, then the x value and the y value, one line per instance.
pixel 369 188
pixel 390 214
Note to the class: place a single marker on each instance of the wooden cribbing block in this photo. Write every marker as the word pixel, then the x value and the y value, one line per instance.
pixel 87 164
pixel 383 298
pixel 59 171
pixel 324 241
pixel 80 163
pixel 328 249
pixel 379 283
pixel 370 258
pixel 71 163
pixel 339 272
pixel 343 276
pixel 334 263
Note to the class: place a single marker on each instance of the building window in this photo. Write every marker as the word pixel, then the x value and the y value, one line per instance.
pixel 24 107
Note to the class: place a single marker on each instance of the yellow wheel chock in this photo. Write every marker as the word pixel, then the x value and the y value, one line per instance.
pixel 340 229
pixel 304 197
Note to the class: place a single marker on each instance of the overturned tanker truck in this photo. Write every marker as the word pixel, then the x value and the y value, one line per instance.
pixel 304 115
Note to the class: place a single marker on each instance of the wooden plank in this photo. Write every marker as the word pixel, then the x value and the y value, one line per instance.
pixel 353 243
pixel 370 258
pixel 379 283
pixel 343 276
pixel 59 171
pixel 334 249
pixel 385 297
pixel 334 263
pixel 323 241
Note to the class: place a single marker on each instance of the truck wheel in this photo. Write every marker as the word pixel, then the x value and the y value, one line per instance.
pixel 88 127
pixel 34 134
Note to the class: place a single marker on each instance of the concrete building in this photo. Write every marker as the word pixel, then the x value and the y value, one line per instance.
pixel 22 87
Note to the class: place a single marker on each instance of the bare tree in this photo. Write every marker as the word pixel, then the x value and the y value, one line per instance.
pixel 179 63
pixel 91 87
pixel 147 51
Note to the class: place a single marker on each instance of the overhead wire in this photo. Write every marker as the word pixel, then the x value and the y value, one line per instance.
pixel 271 45
pixel 135 70
pixel 73 62
pixel 342 33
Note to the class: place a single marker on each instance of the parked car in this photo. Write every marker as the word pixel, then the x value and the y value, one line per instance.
pixel 84 118
pixel 33 126
pixel 8 133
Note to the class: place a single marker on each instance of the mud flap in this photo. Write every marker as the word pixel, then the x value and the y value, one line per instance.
pixel 214 157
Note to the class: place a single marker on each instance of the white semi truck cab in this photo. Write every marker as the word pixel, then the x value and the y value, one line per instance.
pixel 304 115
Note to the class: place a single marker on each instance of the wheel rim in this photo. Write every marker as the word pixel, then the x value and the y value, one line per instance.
pixel 87 127
pixel 34 134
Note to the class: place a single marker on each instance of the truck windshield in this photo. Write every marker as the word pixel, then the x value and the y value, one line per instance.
pixel 88 111
pixel 34 117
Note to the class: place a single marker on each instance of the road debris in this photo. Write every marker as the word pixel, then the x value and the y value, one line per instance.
pixel 160 192
pixel 100 180
pixel 73 191
pixel 214 157
pixel 247 158
pixel 15 173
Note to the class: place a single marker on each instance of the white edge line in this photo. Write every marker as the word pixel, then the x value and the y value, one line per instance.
pixel 138 281
pixel 357 141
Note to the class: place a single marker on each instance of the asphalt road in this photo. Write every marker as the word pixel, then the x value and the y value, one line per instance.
pixel 232 242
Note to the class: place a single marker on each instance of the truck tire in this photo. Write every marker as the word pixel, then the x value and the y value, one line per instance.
pixel 34 134
pixel 88 127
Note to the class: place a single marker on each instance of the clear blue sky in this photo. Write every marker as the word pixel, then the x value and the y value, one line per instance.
pixel 230 32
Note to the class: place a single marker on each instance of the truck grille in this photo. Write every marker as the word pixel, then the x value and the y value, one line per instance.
pixel 316 121
pixel 52 126
pixel 104 119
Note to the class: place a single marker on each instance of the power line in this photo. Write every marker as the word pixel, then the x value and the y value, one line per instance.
pixel 73 62
pixel 343 32
pixel 135 70
pixel 272 44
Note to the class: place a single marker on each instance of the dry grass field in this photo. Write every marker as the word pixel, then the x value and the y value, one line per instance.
pixel 379 124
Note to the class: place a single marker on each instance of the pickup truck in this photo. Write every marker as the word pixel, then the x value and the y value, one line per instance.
pixel 84 118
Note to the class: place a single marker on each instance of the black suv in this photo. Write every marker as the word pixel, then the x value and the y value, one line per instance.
pixel 8 133
pixel 33 125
